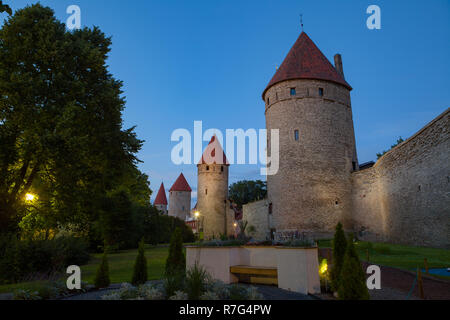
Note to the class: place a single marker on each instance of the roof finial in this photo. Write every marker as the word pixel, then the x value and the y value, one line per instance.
pixel 301 21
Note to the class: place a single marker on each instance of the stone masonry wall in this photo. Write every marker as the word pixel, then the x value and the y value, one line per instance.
pixel 405 196
pixel 212 193
pixel 180 204
pixel 257 215
pixel 312 190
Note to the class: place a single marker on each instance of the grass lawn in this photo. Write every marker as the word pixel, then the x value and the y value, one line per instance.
pixel 400 256
pixel 120 268
pixel 121 264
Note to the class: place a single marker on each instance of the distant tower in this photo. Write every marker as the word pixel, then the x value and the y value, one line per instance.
pixel 212 192
pixel 161 200
pixel 180 198
pixel 308 100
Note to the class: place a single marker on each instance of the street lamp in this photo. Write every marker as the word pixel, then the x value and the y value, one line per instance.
pixel 29 197
pixel 196 214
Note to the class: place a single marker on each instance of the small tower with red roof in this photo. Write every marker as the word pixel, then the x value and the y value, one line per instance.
pixel 215 217
pixel 161 200
pixel 180 198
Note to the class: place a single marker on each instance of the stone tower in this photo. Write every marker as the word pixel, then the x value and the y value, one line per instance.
pixel 308 100
pixel 161 200
pixel 180 198
pixel 215 218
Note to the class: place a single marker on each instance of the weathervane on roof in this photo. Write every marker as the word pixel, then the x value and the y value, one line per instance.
pixel 301 21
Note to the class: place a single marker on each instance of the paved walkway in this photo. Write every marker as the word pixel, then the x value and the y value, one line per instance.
pixel 274 293
pixel 397 283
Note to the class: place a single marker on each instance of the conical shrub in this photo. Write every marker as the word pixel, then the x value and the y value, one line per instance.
pixel 140 266
pixel 176 262
pixel 102 276
pixel 175 272
pixel 339 248
pixel 352 284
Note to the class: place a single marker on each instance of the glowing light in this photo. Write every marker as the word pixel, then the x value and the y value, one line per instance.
pixel 235 224
pixel 323 266
pixel 196 214
pixel 29 197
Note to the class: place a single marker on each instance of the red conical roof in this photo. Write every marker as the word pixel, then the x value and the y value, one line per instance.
pixel 306 61
pixel 161 196
pixel 181 184
pixel 209 155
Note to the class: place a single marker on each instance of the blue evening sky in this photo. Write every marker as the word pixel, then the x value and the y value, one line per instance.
pixel 210 60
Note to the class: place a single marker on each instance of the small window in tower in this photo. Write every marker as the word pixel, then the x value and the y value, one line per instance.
pixel 182 208
pixel 221 168
pixel 321 92
pixel 206 191
pixel 268 100
pixel 293 92
pixel 354 165
pixel 270 208
pixel 207 168
pixel 296 135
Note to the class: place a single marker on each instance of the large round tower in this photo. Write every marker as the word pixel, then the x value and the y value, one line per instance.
pixel 180 198
pixel 308 100
pixel 212 192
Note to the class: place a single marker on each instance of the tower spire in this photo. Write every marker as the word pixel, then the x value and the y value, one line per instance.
pixel 301 21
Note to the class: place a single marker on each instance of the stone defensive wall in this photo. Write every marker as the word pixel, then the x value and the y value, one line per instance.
pixel 405 196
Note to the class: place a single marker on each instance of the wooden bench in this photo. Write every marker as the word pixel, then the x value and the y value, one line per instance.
pixel 251 274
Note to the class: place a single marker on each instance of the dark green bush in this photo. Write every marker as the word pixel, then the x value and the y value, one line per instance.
pixel 339 248
pixel 176 262
pixel 102 276
pixel 159 229
pixel 352 284
pixel 175 270
pixel 140 266
pixel 26 259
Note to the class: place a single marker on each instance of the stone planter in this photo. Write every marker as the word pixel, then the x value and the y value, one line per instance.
pixel 216 260
pixel 297 268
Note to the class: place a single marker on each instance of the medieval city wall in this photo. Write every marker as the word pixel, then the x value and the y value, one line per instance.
pixel 405 196
pixel 257 215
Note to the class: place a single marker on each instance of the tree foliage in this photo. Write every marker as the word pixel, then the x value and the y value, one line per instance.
pixel 352 285
pixel 399 140
pixel 339 248
pixel 160 228
pixel 245 191
pixel 61 130
pixel 5 8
